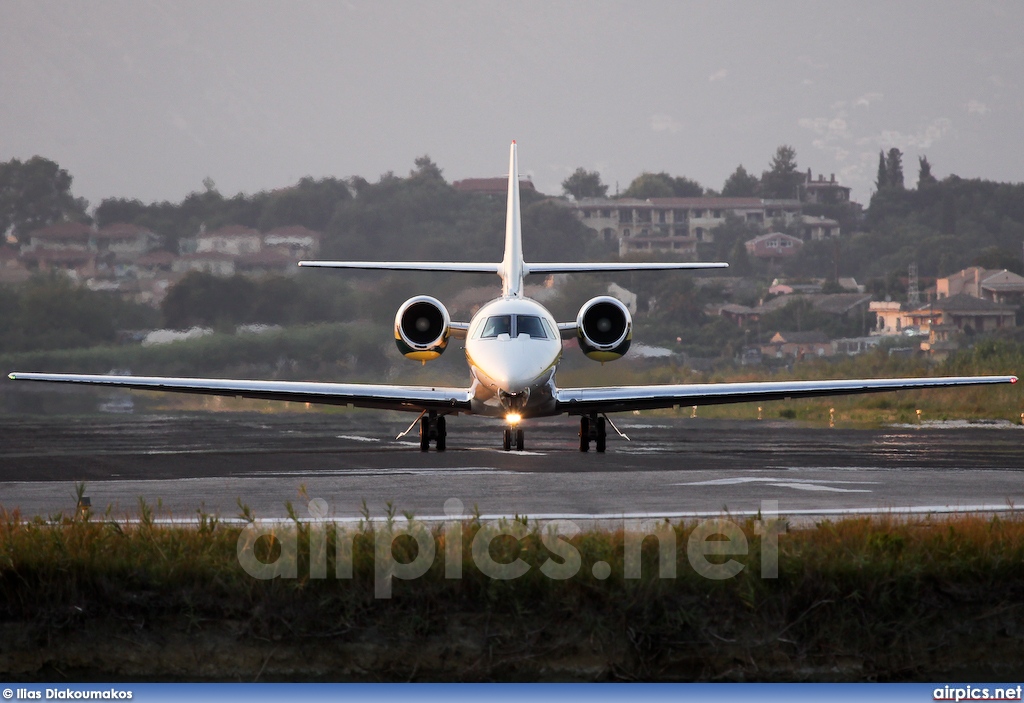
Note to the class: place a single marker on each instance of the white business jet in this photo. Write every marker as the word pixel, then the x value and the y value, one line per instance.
pixel 513 345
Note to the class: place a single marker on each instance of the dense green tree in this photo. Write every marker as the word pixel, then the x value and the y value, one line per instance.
pixel 310 203
pixel 882 178
pixel 584 184
pixel 662 185
pixel 426 168
pixel 34 194
pixel 894 169
pixel 741 184
pixel 924 173
pixel 783 178
pixel 650 185
pixel 50 312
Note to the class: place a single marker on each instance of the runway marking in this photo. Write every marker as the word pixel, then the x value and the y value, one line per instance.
pixel 798 484
pixel 415 471
pixel 806 514
pixel 358 438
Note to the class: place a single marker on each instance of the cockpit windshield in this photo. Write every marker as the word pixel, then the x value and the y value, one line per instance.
pixel 497 324
pixel 532 326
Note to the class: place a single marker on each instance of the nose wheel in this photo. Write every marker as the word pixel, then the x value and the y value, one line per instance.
pixel 432 428
pixel 512 436
pixel 592 429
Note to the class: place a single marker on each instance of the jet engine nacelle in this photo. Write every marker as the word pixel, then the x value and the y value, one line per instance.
pixel 421 328
pixel 604 328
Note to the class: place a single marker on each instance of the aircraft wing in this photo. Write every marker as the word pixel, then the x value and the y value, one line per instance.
pixel 360 395
pixel 578 401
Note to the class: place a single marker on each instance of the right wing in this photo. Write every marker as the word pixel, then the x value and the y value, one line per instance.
pixel 579 401
pixel 360 395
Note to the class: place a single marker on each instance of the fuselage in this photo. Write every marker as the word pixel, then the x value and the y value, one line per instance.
pixel 513 346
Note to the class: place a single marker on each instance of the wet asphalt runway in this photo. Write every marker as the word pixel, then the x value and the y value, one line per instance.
pixel 673 466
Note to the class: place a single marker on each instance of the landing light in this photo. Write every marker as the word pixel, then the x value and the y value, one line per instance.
pixel 513 418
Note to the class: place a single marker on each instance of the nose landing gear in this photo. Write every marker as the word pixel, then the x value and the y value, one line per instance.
pixel 592 429
pixel 512 435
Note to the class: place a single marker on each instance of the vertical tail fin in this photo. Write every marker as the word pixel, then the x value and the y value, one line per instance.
pixel 513 269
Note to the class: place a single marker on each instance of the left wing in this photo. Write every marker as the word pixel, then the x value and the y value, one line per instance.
pixel 360 395
pixel 578 401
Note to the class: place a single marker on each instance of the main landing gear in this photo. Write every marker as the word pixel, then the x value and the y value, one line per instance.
pixel 592 429
pixel 432 428
pixel 513 435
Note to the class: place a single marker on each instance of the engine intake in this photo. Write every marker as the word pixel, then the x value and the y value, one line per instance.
pixel 604 328
pixel 421 328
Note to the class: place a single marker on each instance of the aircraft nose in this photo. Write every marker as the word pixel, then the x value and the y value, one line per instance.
pixel 521 369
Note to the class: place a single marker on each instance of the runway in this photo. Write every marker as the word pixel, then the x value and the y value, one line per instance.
pixel 675 467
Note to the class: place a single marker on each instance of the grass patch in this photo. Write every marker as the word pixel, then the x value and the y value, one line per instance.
pixel 857 599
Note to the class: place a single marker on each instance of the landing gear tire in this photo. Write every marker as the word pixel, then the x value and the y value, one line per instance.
pixel 584 434
pixel 433 428
pixel 506 442
pixel 519 440
pixel 601 436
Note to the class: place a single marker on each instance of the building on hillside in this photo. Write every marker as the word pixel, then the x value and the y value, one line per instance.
pixel 155 264
pixel 999 286
pixel 216 263
pixel 233 240
pixel 964 313
pixel 126 242
pixel 265 263
pixel 490 186
pixel 674 224
pixel 851 346
pixel 773 246
pixel 783 286
pixel 818 228
pixel 844 305
pixel 296 242
pixel 12 268
pixel 822 192
pixel 797 345
pixel 890 318
pixel 63 236
pixel 76 264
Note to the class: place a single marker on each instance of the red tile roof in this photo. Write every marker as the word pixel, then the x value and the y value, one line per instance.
pixel 63 230
pixel 121 230
pixel 232 231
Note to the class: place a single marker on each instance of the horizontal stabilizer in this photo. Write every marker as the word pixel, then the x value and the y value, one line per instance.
pixel 450 266
pixel 622 266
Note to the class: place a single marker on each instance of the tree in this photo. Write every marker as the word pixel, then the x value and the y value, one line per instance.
pixel 783 179
pixel 584 184
pixel 650 185
pixel 35 194
pixel 882 179
pixel 662 185
pixel 894 168
pixel 426 168
pixel 683 187
pixel 740 184
pixel 924 173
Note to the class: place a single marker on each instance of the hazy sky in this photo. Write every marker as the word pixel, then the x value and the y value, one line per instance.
pixel 145 99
